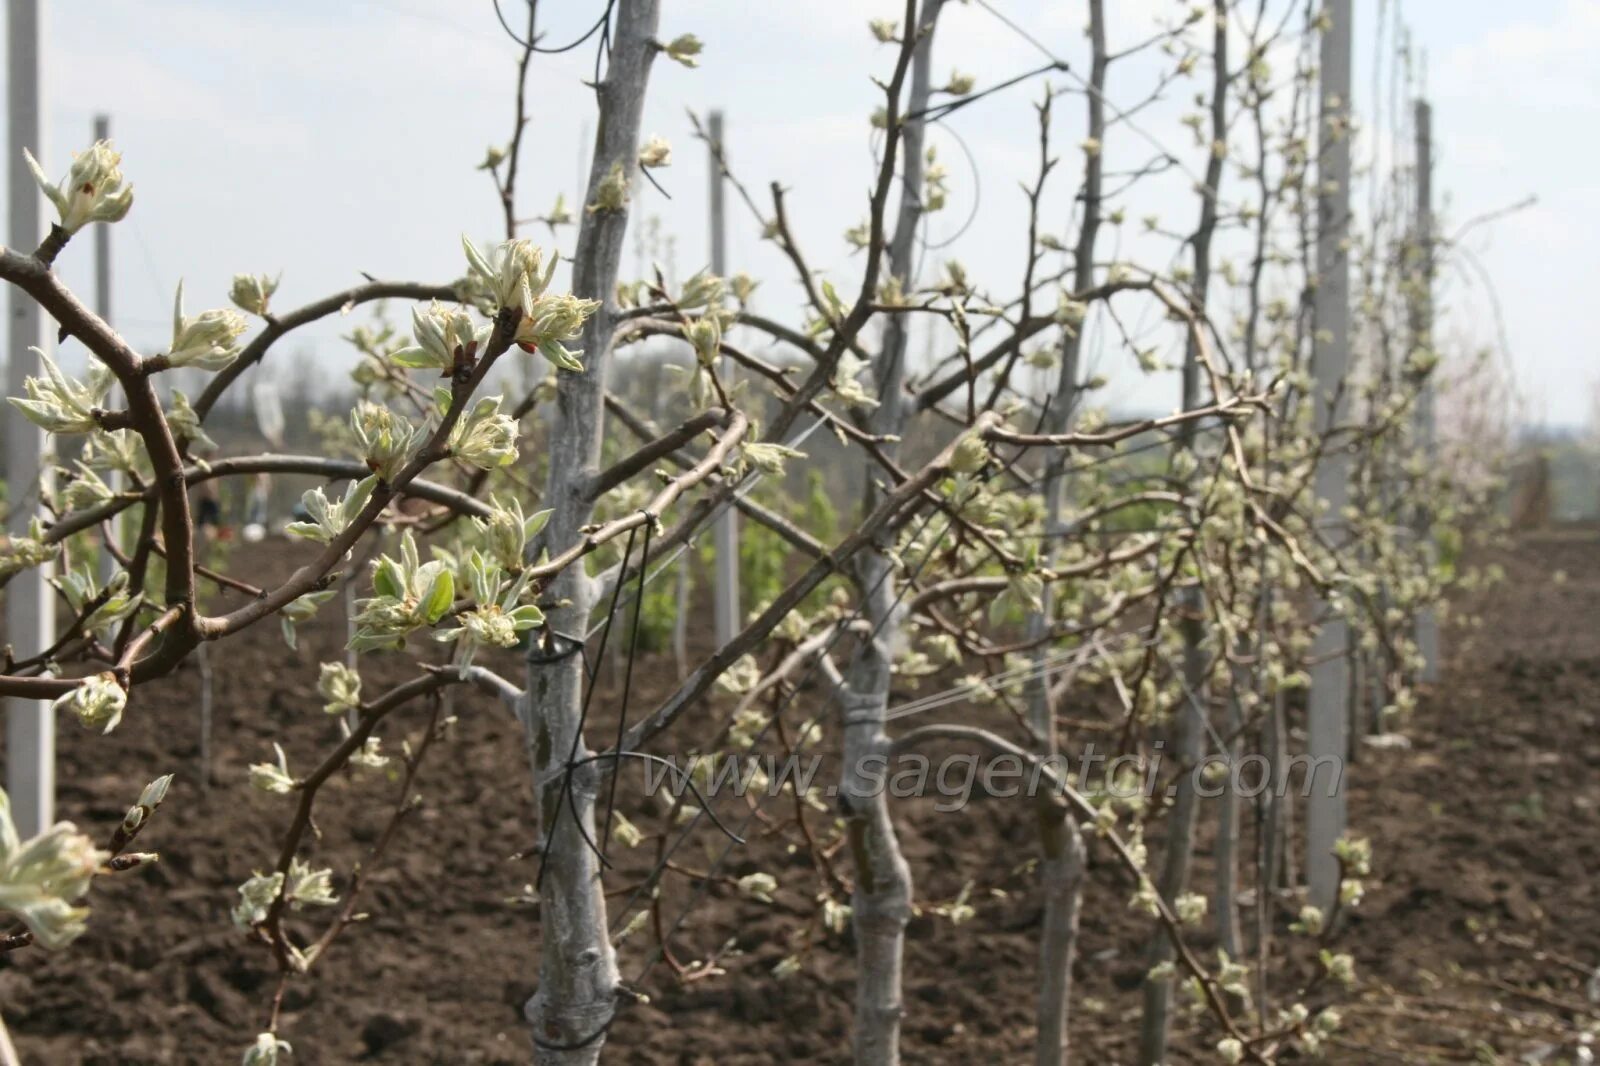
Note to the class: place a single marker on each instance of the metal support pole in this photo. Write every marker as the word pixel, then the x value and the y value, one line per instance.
pixel 30 605
pixel 1422 337
pixel 725 582
pixel 1329 714
pixel 102 306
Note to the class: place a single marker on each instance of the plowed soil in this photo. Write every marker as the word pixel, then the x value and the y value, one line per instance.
pixel 1479 936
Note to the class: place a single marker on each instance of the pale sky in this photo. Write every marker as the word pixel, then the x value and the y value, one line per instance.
pixel 323 139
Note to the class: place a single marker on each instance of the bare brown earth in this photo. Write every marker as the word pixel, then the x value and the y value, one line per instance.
pixel 1478 938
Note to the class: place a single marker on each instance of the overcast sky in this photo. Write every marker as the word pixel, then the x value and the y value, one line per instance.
pixel 325 139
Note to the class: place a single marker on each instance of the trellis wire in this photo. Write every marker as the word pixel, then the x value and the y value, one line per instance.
pixel 746 485
pixel 794 691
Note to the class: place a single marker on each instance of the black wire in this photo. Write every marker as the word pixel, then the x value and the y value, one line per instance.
pixel 939 111
pixel 576 1045
pixel 705 884
pixel 977 193
pixel 1166 438
pixel 577 735
pixel 651 178
pixel 1044 413
pixel 794 691
pixel 605 46
pixel 1024 34
pixel 705 806
pixel 533 46
pixel 627 677
pixel 741 488
pixel 686 780
pixel 507 27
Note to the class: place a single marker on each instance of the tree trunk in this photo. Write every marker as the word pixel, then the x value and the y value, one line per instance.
pixel 1227 853
pixel 882 900
pixel 1228 850
pixel 1189 736
pixel 1062 868
pixel 1190 729
pixel 881 905
pixel 1061 879
pixel 680 623
pixel 207 702
pixel 578 980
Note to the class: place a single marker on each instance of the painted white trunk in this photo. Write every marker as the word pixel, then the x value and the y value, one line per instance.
pixel 1061 869
pixel 578 979
pixel 1188 737
pixel 1061 875
pixel 1190 717
pixel 882 899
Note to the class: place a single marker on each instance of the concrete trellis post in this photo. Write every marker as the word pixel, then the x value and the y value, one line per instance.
pixel 102 307
pixel 1330 675
pixel 1422 336
pixel 725 579
pixel 30 604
